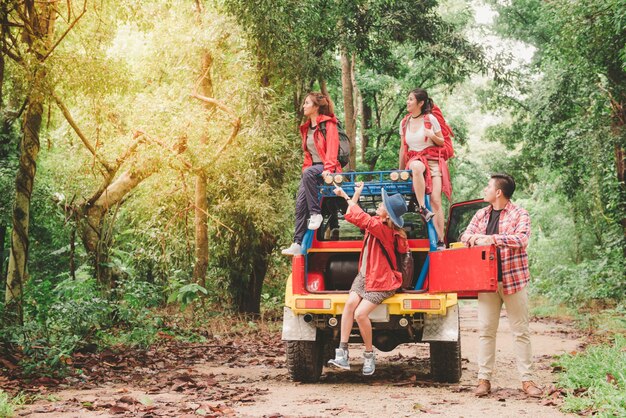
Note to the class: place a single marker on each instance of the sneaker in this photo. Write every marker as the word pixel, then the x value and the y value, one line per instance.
pixel 441 245
pixel 295 249
pixel 340 360
pixel 315 221
pixel 369 363
pixel 427 215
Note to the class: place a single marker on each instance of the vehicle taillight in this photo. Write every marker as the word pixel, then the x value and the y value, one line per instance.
pixel 422 304
pixel 312 303
pixel 297 275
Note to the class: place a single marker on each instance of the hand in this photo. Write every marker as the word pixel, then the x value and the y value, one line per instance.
pixel 340 192
pixel 429 133
pixel 479 239
pixel 358 186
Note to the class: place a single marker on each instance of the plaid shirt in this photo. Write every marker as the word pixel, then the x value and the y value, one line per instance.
pixel 512 239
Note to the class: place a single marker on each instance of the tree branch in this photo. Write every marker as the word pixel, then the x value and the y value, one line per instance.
pixel 186 163
pixel 138 139
pixel 219 105
pixel 70 27
pixel 13 56
pixel 81 135
pixel 236 122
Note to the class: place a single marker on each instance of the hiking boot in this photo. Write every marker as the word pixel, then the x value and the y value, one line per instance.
pixel 340 360
pixel 295 249
pixel 315 221
pixel 483 388
pixel 369 363
pixel 441 245
pixel 427 215
pixel 531 389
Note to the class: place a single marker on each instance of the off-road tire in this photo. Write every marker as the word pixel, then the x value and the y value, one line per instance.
pixel 445 361
pixel 305 360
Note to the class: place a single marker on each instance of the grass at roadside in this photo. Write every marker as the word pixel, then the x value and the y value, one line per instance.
pixel 9 405
pixel 595 380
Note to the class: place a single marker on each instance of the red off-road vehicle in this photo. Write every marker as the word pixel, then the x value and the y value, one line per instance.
pixel 428 312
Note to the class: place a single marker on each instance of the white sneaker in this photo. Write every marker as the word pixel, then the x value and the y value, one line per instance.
pixel 341 359
pixel 369 363
pixel 295 249
pixel 315 221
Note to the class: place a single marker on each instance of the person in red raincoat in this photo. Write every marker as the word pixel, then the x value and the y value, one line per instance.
pixel 320 160
pixel 422 151
pixel 377 279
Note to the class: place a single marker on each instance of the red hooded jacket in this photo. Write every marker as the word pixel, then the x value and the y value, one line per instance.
pixel 327 147
pixel 379 275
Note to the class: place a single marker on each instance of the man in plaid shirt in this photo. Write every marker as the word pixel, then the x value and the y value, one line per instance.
pixel 507 226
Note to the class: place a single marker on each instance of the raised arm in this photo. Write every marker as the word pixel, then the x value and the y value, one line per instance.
pixel 359 217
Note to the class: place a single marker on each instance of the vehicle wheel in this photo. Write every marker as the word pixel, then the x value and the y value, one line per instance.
pixel 305 360
pixel 445 361
pixel 329 349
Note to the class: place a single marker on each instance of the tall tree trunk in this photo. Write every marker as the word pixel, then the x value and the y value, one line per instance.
pixel 24 181
pixel 2 75
pixel 620 166
pixel 201 198
pixel 40 19
pixel 366 123
pixel 250 295
pixel 3 234
pixel 323 86
pixel 348 103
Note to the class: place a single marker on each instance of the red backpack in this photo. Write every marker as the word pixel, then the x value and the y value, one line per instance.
pixel 447 151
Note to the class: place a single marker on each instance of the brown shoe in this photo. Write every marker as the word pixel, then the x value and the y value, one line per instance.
pixel 483 388
pixel 531 389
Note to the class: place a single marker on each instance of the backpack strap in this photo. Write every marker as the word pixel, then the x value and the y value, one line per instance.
pixel 387 255
pixel 322 127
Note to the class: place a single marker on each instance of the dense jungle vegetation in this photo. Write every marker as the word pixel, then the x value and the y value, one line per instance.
pixel 149 152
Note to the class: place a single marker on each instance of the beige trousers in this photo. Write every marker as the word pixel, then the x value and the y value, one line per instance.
pixel 489 307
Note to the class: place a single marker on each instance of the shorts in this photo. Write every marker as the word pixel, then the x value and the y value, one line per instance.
pixel 358 287
pixel 433 165
pixel 434 168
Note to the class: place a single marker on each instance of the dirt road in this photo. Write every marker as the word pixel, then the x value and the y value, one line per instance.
pixel 230 381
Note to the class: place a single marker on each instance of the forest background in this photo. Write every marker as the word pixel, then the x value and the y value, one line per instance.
pixel 149 153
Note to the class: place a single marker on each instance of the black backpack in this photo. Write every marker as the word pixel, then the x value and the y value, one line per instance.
pixel 343 154
pixel 405 265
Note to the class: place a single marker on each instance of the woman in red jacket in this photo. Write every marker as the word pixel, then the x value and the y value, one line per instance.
pixel 377 279
pixel 422 150
pixel 320 160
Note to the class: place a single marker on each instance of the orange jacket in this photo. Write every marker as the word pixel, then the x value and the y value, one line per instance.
pixel 327 147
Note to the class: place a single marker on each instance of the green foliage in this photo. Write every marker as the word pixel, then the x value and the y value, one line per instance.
pixel 7 405
pixel 595 380
pixel 58 319
pixel 187 294
pixel 565 124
